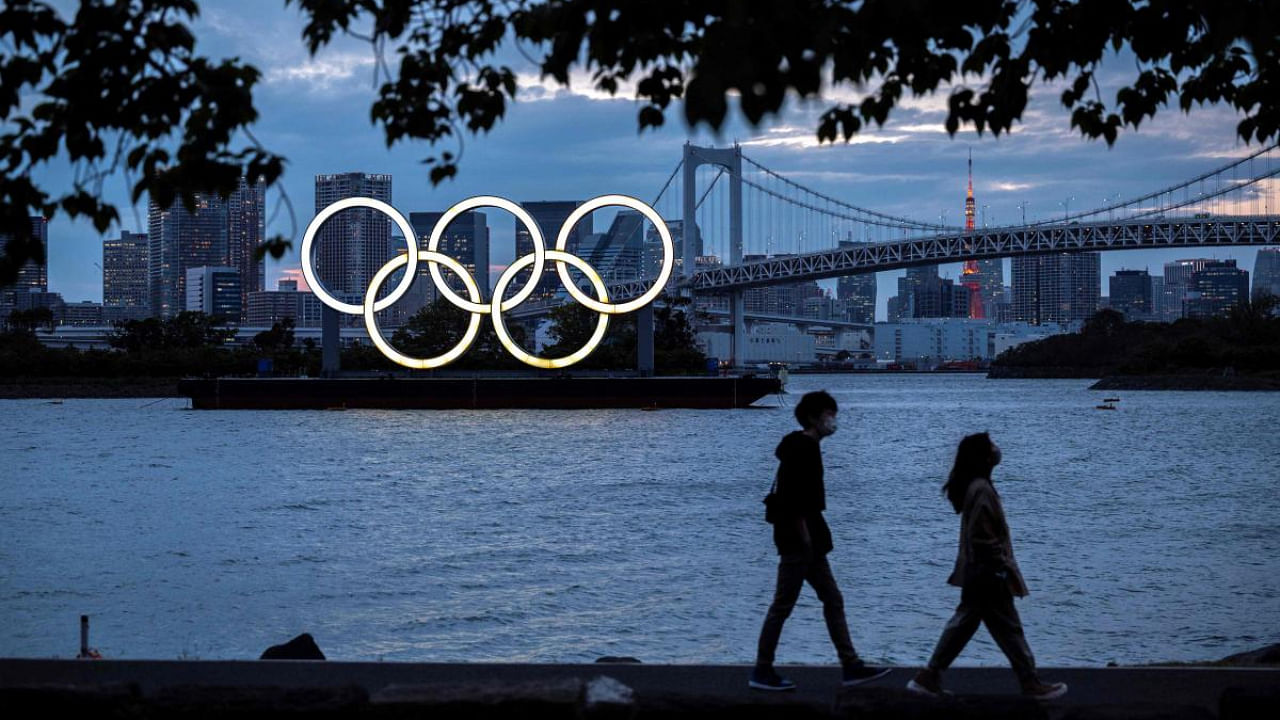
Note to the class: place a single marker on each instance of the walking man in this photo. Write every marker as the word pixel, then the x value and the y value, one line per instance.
pixel 803 541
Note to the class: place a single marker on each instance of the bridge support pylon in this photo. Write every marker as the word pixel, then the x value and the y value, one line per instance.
pixel 644 341
pixel 738 340
pixel 691 235
pixel 330 343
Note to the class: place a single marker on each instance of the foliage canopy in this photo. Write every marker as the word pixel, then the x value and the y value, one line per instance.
pixel 121 87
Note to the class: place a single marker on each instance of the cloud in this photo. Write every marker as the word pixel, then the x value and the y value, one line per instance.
pixel 810 140
pixel 1010 186
pixel 856 177
pixel 333 71
pixel 536 88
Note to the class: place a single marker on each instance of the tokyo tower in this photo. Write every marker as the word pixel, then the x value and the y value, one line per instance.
pixel 971 276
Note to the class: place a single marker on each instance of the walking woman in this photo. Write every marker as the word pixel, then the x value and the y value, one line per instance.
pixel 987 574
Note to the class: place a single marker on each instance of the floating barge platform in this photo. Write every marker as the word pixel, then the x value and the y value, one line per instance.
pixel 449 393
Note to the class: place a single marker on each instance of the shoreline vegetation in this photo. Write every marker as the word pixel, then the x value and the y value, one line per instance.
pixel 148 357
pixel 1240 351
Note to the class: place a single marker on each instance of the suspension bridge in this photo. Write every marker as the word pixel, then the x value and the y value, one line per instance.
pixel 741 225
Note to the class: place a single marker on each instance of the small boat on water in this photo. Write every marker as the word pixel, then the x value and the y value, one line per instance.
pixel 1111 400
pixel 1105 406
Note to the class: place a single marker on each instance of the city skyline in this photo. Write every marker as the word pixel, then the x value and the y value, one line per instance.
pixel 909 167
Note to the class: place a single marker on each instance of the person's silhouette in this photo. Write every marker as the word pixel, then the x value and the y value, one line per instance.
pixel 803 541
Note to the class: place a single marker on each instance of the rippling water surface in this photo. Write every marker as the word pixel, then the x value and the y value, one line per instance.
pixel 1149 533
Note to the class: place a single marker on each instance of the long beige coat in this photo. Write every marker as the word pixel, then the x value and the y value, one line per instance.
pixel 982 523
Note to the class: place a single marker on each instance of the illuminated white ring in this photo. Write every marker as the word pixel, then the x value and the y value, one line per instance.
pixel 308 238
pixel 539 250
pixel 668 254
pixel 500 326
pixel 371 323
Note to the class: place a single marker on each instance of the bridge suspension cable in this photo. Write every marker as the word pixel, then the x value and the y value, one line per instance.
pixel 1137 202
pixel 885 220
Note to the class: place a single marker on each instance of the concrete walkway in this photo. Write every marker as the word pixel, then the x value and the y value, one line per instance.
pixel 720 685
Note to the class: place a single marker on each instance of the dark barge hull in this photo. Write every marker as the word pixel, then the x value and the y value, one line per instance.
pixel 476 393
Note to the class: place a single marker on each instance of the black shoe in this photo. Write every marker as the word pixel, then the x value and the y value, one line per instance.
pixel 927 682
pixel 860 673
pixel 1044 691
pixel 768 679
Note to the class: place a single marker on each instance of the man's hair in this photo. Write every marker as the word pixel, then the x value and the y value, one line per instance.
pixel 812 405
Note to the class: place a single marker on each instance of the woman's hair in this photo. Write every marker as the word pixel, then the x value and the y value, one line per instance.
pixel 973 460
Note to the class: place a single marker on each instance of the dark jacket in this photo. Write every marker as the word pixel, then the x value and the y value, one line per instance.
pixel 985 544
pixel 801 496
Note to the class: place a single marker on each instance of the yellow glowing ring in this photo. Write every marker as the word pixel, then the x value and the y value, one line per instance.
pixel 668 254
pixel 500 326
pixel 539 250
pixel 371 323
pixel 308 238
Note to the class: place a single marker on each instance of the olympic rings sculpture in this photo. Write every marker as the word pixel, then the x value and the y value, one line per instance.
pixel 473 303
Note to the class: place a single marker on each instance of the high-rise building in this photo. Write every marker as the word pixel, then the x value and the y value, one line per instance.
pixel 991 286
pixel 267 307
pixel 33 276
pixel 180 239
pixel 788 300
pixel 653 253
pixel 922 294
pixel 1179 272
pixel 550 217
pixel 919 290
pixel 422 291
pixel 465 240
pixel 353 244
pixel 954 300
pixel 857 293
pixel 246 230
pixel 1215 288
pixel 1057 288
pixel 1131 294
pixel 1266 273
pixel 1177 285
pixel 85 312
pixel 1158 313
pixel 618 253
pixel 124 277
pixel 214 291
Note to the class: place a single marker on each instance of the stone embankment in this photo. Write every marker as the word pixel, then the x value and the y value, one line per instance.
pixel 61 388
pixel 151 690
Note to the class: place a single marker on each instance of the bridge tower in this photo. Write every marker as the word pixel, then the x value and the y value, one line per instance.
pixel 691 236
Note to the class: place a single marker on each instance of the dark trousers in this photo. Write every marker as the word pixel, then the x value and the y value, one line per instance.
pixel 793 571
pixel 989 602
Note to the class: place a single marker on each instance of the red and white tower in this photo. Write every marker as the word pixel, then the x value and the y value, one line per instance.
pixel 971 276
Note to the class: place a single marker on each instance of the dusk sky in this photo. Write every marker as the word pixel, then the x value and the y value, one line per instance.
pixel 576 143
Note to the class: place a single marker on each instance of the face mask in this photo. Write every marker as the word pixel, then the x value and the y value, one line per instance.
pixel 829 425
pixel 995 457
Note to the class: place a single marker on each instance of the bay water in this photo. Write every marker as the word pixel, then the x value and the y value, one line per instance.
pixel 1148 533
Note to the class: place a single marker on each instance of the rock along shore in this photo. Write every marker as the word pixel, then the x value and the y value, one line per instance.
pixel 1187 382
